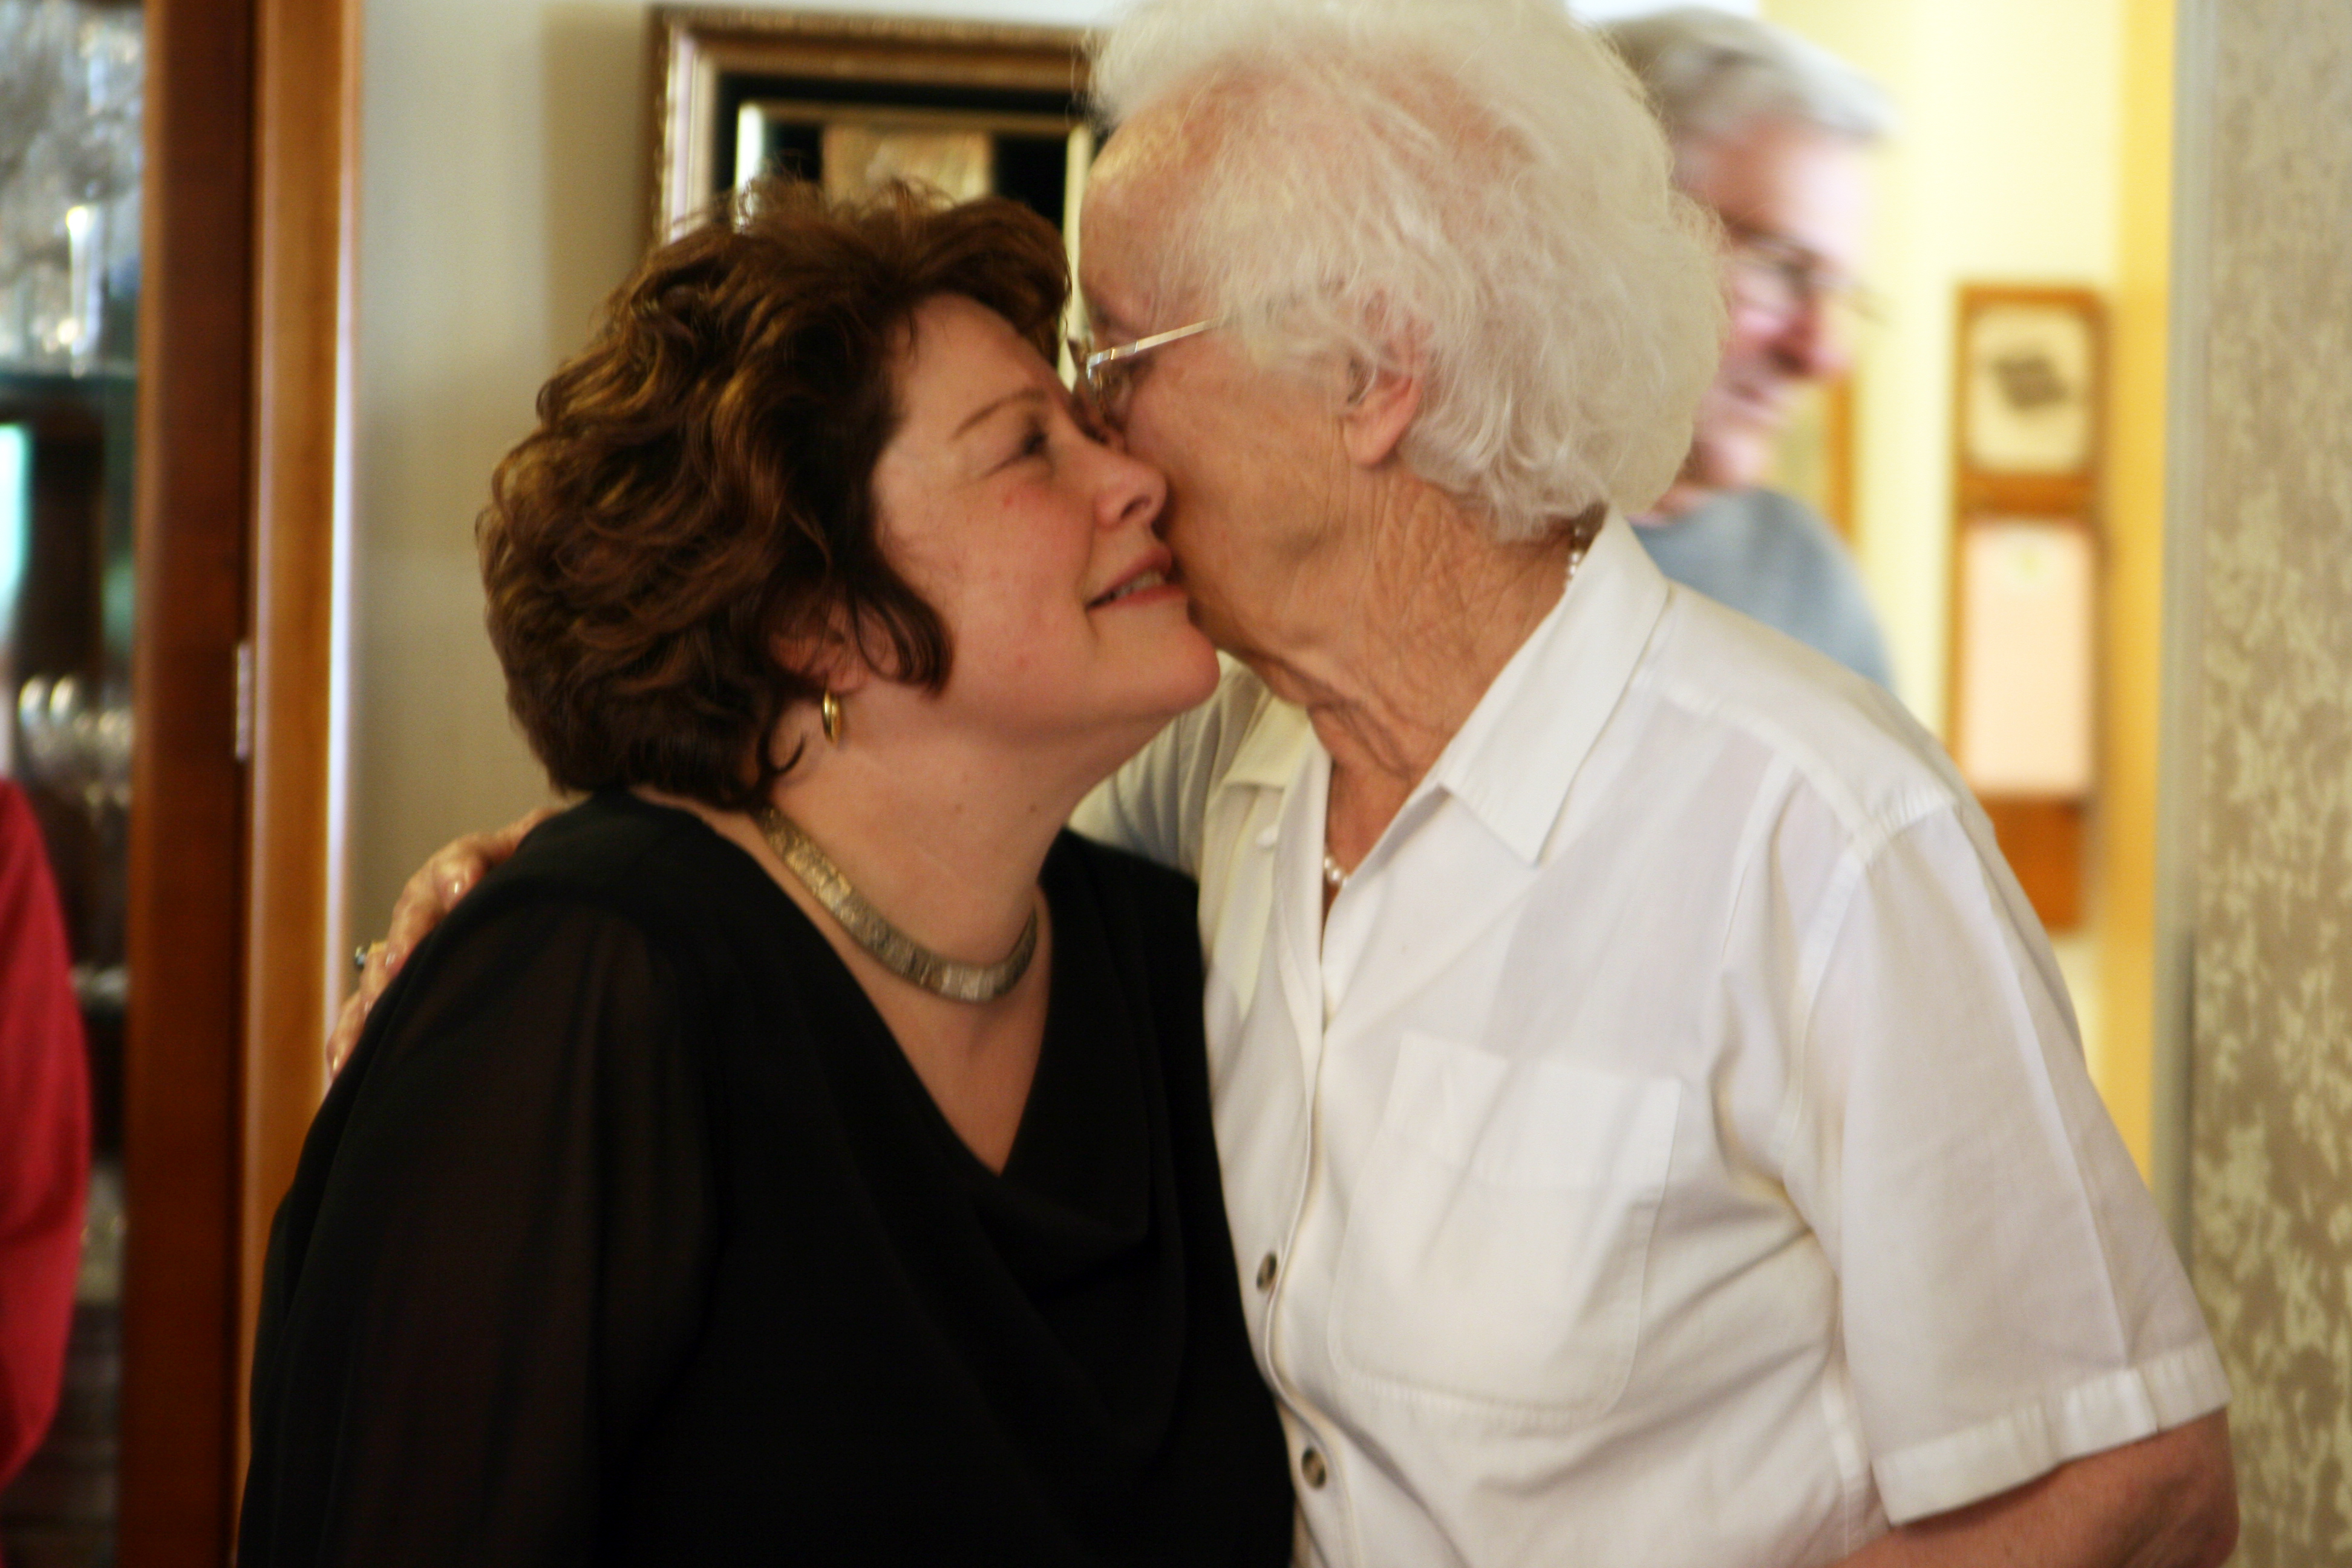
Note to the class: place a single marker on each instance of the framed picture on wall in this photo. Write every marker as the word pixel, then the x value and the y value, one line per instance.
pixel 974 109
pixel 2029 380
pixel 2028 593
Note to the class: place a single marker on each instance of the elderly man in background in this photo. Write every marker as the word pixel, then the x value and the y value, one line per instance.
pixel 1652 1122
pixel 1771 134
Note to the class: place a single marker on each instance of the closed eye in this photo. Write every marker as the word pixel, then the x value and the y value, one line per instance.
pixel 1033 443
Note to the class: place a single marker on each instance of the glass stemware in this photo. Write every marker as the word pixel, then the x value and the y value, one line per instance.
pixel 70 86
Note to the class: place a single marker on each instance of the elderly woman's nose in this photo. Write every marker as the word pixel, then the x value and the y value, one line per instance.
pixel 1132 491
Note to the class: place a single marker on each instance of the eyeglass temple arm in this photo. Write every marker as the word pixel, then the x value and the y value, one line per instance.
pixel 1141 345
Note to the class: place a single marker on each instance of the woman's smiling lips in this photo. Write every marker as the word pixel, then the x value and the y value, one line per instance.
pixel 1149 583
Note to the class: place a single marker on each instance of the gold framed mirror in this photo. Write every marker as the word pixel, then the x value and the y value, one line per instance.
pixel 851 102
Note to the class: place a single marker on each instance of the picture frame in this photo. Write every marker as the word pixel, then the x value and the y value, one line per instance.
pixel 2030 383
pixel 973 108
pixel 2028 428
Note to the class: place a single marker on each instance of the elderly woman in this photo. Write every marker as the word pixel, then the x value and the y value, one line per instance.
pixel 800 1149
pixel 1650 1114
pixel 1653 1127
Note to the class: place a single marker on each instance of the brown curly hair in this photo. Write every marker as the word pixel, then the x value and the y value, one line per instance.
pixel 700 487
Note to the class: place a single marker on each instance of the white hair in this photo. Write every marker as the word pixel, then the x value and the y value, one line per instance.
pixel 1474 186
pixel 1711 74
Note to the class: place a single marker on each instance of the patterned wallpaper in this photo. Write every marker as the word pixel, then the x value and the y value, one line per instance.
pixel 2272 1058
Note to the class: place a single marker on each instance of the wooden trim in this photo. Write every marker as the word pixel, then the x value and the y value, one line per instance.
pixel 2041 839
pixel 185 938
pixel 236 894
pixel 306 183
pixel 2027 495
pixel 1954 525
pixel 1838 449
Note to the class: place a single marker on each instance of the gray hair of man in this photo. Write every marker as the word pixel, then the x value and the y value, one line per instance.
pixel 1710 75
pixel 1474 187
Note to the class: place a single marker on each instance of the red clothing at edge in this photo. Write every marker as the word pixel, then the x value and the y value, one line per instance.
pixel 44 1137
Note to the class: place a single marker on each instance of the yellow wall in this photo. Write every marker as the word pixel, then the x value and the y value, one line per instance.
pixel 2033 148
pixel 2002 168
pixel 2125 844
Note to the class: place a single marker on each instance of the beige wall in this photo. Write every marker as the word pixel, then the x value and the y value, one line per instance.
pixel 2266 431
pixel 500 159
pixel 2124 827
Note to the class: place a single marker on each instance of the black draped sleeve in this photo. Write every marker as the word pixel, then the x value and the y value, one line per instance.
pixel 492 1262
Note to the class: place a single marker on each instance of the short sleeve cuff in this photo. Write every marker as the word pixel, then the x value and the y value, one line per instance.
pixel 2090 1417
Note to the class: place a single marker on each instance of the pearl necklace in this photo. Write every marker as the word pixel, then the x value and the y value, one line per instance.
pixel 897 951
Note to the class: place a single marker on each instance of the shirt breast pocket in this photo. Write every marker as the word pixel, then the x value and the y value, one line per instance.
pixel 1498 1232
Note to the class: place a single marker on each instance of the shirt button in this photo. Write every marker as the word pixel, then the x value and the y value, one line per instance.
pixel 1266 1272
pixel 1312 1470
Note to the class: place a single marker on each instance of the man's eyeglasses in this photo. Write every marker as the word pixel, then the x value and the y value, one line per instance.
pixel 1107 376
pixel 1783 278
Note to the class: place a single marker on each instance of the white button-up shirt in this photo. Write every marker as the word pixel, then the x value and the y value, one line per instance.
pixel 1675 1148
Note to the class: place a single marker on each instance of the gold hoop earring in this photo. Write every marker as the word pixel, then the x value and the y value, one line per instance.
pixel 828 712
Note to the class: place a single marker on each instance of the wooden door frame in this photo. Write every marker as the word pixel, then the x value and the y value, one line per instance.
pixel 235 838
pixel 305 227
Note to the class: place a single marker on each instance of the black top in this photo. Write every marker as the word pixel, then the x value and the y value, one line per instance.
pixel 630 1235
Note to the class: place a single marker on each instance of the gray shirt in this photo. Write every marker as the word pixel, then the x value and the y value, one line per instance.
pixel 1773 559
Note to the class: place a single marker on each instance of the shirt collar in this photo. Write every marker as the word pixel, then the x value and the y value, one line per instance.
pixel 1274 743
pixel 1512 762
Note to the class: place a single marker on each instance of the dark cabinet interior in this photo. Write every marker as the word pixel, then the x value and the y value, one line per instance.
pixel 72 96
pixel 66 594
pixel 175 329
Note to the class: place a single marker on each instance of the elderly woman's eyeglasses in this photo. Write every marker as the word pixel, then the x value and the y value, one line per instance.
pixel 1107 376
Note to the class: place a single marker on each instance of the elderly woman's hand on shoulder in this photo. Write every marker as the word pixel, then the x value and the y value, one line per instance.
pixel 425 899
